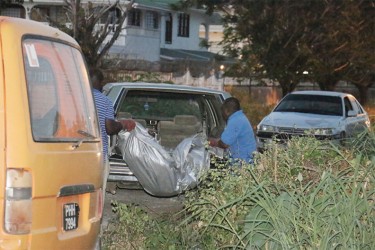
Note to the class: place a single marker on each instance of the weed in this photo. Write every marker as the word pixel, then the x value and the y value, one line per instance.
pixel 308 194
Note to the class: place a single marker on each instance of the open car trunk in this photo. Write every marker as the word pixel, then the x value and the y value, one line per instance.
pixel 162 171
pixel 172 129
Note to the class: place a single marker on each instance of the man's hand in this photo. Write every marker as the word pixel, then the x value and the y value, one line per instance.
pixel 213 142
pixel 216 142
pixel 128 124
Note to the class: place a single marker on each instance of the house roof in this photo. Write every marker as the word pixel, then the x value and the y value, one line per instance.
pixel 192 55
pixel 156 4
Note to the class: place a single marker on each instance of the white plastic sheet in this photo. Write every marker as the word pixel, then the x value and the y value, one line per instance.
pixel 160 172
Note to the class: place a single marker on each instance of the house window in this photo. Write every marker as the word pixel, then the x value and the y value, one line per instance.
pixel 183 25
pixel 168 29
pixel 348 105
pixel 111 17
pixel 13 11
pixel 152 20
pixel 134 17
pixel 52 14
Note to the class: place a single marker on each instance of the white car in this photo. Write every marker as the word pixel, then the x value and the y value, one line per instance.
pixel 323 114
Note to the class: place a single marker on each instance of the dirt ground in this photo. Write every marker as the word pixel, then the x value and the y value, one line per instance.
pixel 154 205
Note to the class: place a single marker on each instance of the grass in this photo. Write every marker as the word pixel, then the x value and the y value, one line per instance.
pixel 319 198
pixel 309 195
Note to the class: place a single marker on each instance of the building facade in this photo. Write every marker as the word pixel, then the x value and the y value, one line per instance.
pixel 153 31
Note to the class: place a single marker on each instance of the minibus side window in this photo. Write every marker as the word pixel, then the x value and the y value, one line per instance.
pixel 58 92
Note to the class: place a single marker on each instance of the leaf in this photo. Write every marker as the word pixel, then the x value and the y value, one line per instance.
pixel 300 177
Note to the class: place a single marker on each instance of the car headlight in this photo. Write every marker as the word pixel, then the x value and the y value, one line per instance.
pixel 267 128
pixel 322 131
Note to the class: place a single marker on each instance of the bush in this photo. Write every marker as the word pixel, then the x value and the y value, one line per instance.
pixel 309 194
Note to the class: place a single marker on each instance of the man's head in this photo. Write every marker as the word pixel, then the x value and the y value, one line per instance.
pixel 96 78
pixel 230 106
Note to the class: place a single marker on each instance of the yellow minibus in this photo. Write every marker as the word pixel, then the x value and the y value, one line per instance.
pixel 51 159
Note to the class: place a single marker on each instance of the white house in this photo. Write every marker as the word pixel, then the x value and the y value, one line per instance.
pixel 152 31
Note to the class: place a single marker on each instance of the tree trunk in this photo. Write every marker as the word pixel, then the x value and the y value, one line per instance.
pixel 362 93
pixel 284 90
pixel 328 82
pixel 287 86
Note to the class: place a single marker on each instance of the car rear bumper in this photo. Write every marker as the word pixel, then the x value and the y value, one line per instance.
pixel 120 172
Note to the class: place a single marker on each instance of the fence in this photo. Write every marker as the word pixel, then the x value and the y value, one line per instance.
pixel 264 91
pixel 215 80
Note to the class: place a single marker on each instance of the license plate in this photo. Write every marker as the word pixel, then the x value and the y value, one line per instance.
pixel 70 216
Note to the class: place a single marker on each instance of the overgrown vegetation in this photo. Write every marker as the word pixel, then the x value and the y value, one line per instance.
pixel 308 194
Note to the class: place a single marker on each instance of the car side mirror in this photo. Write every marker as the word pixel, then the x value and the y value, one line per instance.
pixel 351 113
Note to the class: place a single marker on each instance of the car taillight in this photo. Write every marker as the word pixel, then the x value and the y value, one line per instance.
pixel 96 205
pixel 18 210
pixel 100 204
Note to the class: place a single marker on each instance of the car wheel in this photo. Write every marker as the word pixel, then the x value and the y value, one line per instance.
pixel 343 139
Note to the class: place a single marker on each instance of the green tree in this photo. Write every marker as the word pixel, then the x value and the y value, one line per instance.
pixel 361 71
pixel 280 39
pixel 94 39
pixel 265 36
pixel 340 42
pixel 325 44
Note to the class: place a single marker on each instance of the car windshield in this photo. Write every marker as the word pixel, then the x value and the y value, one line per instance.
pixel 160 105
pixel 312 104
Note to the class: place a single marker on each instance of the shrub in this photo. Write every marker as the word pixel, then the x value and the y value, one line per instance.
pixel 128 231
pixel 308 194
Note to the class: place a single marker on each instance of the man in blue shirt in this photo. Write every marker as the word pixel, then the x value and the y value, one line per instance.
pixel 238 135
pixel 108 124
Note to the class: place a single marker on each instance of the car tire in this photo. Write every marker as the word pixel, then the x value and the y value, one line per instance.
pixel 343 139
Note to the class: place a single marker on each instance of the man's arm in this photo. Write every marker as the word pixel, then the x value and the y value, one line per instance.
pixel 221 144
pixel 113 127
pixel 217 143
